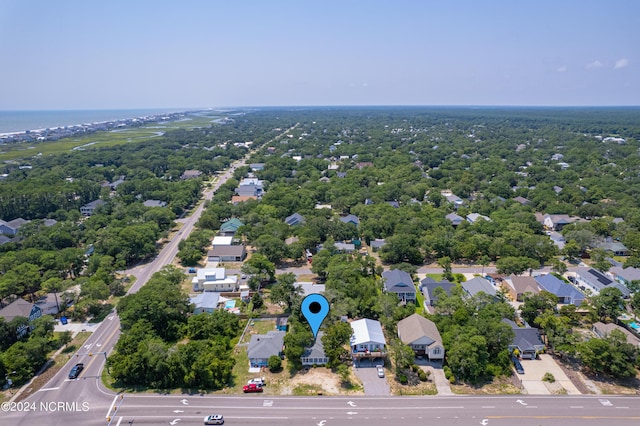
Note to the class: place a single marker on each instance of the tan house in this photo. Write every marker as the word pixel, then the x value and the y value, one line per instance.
pixel 518 286
pixel 422 335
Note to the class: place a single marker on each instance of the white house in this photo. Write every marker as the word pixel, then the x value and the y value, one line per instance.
pixel 367 336
pixel 214 279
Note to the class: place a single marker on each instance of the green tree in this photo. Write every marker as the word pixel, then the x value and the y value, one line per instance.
pixel 274 363
pixel 335 339
pixel 536 304
pixel 612 355
pixel 285 292
pixel 515 265
pixel 608 304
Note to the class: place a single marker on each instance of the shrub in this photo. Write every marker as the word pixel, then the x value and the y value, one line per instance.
pixel 402 378
pixel 422 375
pixel 274 362
pixel 548 377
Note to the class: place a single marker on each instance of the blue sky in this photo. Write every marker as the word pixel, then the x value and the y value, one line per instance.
pixel 79 54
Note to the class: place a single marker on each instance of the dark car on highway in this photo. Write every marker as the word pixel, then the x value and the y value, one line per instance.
pixel 75 371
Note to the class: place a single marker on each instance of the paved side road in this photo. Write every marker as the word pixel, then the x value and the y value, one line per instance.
pixel 373 385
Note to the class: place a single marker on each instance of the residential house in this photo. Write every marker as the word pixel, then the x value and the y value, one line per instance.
pixel 154 203
pixel 394 204
pixel 454 219
pixel 556 222
pixel 399 282
pixel 256 167
pixel 557 239
pixel 566 293
pixel 282 323
pixel 295 219
pixel 595 281
pixel 367 339
pixel 518 286
pixel 344 247
pixel 624 275
pixel 422 335
pixel 222 240
pixel 428 286
pixel 353 219
pixel 206 302
pixel 612 246
pixel 314 355
pixel 453 199
pixel 190 174
pixel 250 190
pixel 602 330
pixel 521 200
pixel 214 279
pixel 89 208
pixel 11 227
pixel 309 287
pixel 52 303
pixel 377 244
pixel 231 226
pixel 21 308
pixel 526 340
pixel 263 346
pixel 474 217
pixel 364 164
pixel 227 253
pixel 478 284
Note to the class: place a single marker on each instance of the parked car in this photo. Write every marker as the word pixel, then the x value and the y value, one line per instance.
pixel 252 388
pixel 214 419
pixel 380 369
pixel 75 371
pixel 257 381
pixel 518 365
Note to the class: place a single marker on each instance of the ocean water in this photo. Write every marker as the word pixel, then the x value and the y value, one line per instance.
pixel 20 121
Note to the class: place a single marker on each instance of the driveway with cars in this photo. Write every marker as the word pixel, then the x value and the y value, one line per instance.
pixel 373 385
pixel 534 371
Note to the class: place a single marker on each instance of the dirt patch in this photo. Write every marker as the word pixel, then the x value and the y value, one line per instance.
pixel 315 381
pixel 572 370
pixel 617 387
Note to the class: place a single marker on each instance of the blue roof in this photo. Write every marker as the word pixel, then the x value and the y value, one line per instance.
pixel 558 287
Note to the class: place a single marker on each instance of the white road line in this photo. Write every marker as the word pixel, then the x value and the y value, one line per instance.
pixel 577 406
pixel 48 389
pixel 111 407
pixel 119 420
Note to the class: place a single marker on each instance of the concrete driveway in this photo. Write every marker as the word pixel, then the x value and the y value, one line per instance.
pixel 534 371
pixel 373 385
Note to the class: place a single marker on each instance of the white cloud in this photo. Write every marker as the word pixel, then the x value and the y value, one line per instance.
pixel 621 63
pixel 562 69
pixel 595 64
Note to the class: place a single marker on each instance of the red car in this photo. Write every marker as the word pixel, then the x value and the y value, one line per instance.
pixel 252 388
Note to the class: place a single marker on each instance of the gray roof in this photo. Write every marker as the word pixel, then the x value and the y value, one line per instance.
pixel 454 218
pixel 265 345
pixel 627 274
pixel 526 338
pixel 478 284
pixel 560 288
pixel 398 281
pixel 429 285
pixel 17 308
pixel 294 219
pixel 317 350
pixel 350 219
pixel 154 203
pixel 206 300
pixel 524 284
pixel 416 327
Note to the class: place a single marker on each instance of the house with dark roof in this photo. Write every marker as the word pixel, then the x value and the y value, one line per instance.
pixel 454 219
pixel 353 219
pixel 21 308
pixel 518 286
pixel 558 221
pixel 566 293
pixel 526 340
pixel 422 335
pixel 428 286
pixel 612 246
pixel 595 281
pixel 377 244
pixel 314 355
pixel 477 285
pixel 263 346
pixel 227 253
pixel 624 275
pixel 394 204
pixel 11 227
pixel 295 219
pixel 399 282
pixel 89 208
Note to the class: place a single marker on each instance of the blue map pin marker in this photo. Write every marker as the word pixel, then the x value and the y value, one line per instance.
pixel 315 309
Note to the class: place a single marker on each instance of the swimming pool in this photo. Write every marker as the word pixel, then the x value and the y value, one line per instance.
pixel 634 325
pixel 230 304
